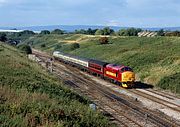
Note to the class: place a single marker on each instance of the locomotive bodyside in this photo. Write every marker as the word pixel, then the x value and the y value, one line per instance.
pixel 120 74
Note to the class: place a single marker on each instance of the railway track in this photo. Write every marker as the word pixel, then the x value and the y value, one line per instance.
pixel 155 118
pixel 114 98
pixel 163 102
pixel 165 94
pixel 107 102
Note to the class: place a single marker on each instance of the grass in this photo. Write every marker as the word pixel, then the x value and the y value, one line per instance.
pixel 154 59
pixel 30 96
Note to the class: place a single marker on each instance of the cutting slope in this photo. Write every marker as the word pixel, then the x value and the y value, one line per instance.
pixel 29 96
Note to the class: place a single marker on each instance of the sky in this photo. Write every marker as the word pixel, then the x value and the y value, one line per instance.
pixel 123 13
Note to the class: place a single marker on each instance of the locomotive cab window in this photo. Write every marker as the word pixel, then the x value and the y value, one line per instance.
pixel 126 69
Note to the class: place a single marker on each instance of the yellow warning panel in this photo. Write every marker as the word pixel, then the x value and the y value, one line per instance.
pixel 111 73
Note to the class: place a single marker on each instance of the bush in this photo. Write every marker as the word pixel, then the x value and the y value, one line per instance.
pixel 103 40
pixel 57 47
pixel 171 82
pixel 57 31
pixel 43 45
pixel 25 48
pixel 3 37
pixel 44 32
pixel 74 46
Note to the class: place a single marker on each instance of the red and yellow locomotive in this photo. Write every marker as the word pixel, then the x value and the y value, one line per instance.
pixel 120 74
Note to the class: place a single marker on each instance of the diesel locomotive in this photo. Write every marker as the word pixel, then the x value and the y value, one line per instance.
pixel 119 74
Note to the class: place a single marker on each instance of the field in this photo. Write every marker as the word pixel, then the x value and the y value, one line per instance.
pixel 155 60
pixel 30 96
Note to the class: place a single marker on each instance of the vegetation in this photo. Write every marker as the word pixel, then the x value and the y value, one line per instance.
pixel 173 33
pixel 161 32
pixel 105 31
pixel 171 82
pixel 25 48
pixel 129 32
pixel 75 46
pixel 153 59
pixel 43 45
pixel 3 37
pixel 31 97
pixel 44 32
pixel 57 31
pixel 103 40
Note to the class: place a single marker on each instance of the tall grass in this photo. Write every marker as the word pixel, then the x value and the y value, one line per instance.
pixel 32 97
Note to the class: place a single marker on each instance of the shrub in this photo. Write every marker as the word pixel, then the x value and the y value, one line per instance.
pixel 25 48
pixel 57 31
pixel 44 32
pixel 3 37
pixel 171 82
pixel 74 46
pixel 43 45
pixel 103 40
pixel 57 47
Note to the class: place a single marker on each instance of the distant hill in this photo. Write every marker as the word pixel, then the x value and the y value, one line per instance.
pixel 71 28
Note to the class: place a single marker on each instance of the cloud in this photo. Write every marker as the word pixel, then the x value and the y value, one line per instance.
pixel 115 13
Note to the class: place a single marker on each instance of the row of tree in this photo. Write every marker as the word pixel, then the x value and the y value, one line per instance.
pixel 104 31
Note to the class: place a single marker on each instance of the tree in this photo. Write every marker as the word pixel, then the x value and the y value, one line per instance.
pixel 90 31
pixel 108 31
pixel 103 40
pixel 81 31
pixel 129 32
pixel 74 46
pixel 132 32
pixel 25 48
pixel 161 32
pixel 57 47
pixel 43 45
pixel 57 31
pixel 122 32
pixel 27 32
pixel 3 37
pixel 44 32
pixel 99 32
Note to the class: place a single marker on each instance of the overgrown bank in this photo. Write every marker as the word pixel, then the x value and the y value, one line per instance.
pixel 31 97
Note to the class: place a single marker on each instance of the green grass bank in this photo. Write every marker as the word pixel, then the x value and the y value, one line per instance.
pixel 30 96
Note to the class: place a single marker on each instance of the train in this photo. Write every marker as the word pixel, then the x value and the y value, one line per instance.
pixel 119 74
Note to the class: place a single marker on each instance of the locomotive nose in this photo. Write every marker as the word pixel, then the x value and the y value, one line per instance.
pixel 128 76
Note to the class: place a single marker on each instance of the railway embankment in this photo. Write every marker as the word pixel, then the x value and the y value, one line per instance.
pixel 30 96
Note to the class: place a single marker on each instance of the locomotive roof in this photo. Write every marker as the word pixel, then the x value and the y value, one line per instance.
pixel 101 63
pixel 114 66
